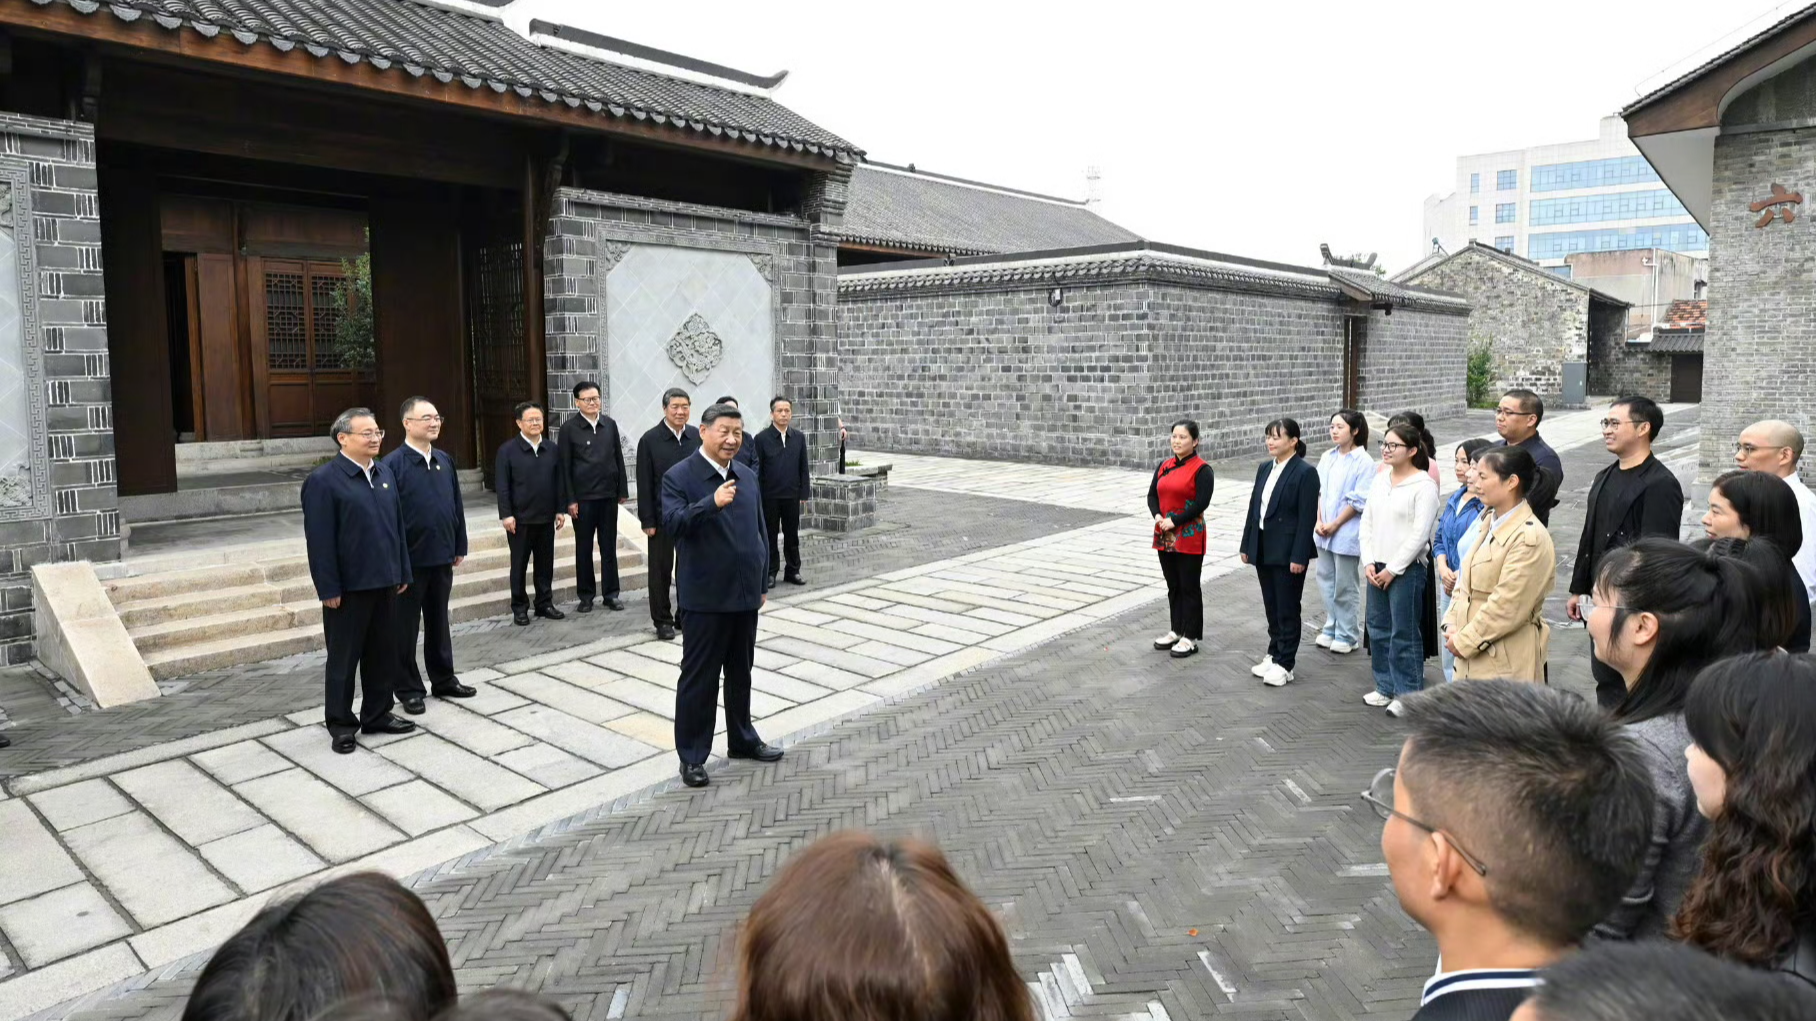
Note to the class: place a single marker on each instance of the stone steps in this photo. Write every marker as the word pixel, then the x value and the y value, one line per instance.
pixel 215 608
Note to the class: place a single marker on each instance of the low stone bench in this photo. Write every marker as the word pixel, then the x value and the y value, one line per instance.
pixel 879 472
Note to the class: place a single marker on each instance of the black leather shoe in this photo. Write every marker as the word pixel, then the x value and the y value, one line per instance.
pixel 795 579
pixel 614 605
pixel 5 742
pixel 550 613
pixel 344 744
pixel 389 725
pixel 762 753
pixel 413 705
pixel 772 581
pixel 520 618
pixel 586 606
pixel 694 776
pixel 664 632
pixel 455 690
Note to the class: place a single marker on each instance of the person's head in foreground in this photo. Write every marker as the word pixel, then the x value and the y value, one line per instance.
pixel 1653 980
pixel 362 937
pixel 1516 819
pixel 858 929
pixel 1753 765
pixel 506 1005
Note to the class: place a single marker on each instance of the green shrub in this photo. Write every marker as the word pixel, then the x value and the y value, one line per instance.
pixel 1479 386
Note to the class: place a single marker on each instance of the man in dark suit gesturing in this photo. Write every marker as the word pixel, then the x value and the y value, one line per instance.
pixel 787 483
pixel 353 526
pixel 532 506
pixel 711 508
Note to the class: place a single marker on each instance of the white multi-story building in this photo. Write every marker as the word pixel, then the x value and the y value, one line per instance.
pixel 1550 201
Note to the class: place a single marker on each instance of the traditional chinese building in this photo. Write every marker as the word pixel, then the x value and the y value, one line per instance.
pixel 188 186
pixel 1735 140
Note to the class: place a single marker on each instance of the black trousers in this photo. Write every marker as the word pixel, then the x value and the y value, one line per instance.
pixel 715 643
pixel 596 517
pixel 783 515
pixel 661 578
pixel 361 638
pixel 1610 686
pixel 1282 593
pixel 1185 595
pixel 425 604
pixel 537 541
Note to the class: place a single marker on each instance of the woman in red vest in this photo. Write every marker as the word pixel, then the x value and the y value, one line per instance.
pixel 1177 498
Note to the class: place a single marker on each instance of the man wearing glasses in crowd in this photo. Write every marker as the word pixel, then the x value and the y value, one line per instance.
pixel 592 466
pixel 1777 447
pixel 435 530
pixel 1517 419
pixel 1516 820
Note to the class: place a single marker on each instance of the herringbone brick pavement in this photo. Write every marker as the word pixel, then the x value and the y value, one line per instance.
pixel 1103 799
pixel 914 527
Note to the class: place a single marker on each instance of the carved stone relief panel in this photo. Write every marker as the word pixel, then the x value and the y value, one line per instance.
pixel 24 457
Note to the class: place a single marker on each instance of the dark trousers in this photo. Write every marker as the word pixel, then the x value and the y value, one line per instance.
pixel 1185 596
pixel 715 642
pixel 661 578
pixel 1282 592
pixel 1610 686
pixel 425 604
pixel 536 541
pixel 596 517
pixel 361 637
pixel 783 515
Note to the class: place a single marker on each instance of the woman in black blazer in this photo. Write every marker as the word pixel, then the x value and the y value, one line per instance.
pixel 1277 540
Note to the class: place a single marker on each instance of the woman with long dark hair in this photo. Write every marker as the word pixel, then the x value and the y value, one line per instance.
pixel 1177 497
pixel 1755 505
pixel 1752 764
pixel 1277 541
pixel 1396 547
pixel 1659 613
pixel 1344 473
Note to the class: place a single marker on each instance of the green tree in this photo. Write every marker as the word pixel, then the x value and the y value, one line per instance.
pixel 354 339
pixel 1479 385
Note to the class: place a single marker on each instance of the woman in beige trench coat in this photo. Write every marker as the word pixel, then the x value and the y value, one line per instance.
pixel 1496 626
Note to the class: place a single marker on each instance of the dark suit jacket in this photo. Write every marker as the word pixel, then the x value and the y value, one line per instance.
pixel 529 483
pixel 747 455
pixel 1551 476
pixel 657 452
pixel 592 460
pixel 721 553
pixel 435 517
pixel 783 471
pixel 354 531
pixel 1291 516
pixel 1655 508
pixel 1474 1005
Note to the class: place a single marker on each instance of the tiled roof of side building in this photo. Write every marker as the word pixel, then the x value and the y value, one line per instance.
pixel 1686 314
pixel 905 208
pixel 464 47
pixel 1718 60
pixel 1431 262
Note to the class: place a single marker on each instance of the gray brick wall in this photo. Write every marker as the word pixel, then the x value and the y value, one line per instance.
pixel 1534 323
pixel 71 513
pixel 995 370
pixel 1757 354
pixel 1617 367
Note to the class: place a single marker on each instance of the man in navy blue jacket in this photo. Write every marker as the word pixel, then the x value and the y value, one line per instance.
pixel 354 528
pixel 532 505
pixel 710 505
pixel 435 530
pixel 787 484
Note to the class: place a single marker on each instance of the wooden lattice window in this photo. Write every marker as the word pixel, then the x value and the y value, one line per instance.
pixel 286 336
pixel 325 314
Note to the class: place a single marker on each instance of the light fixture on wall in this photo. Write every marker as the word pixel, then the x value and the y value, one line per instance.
pixel 1056 295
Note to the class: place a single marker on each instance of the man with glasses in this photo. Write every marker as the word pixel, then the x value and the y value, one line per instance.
pixel 592 466
pixel 532 507
pixel 1516 820
pixel 1517 419
pixel 666 444
pixel 1777 447
pixel 435 531
pixel 1635 497
pixel 353 527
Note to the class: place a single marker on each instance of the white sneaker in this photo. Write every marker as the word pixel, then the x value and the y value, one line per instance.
pixel 1260 669
pixel 1394 708
pixel 1166 641
pixel 1277 676
pixel 1322 641
pixel 1183 648
pixel 1342 648
pixel 1376 699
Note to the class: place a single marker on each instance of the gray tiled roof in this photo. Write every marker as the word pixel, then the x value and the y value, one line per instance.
pixel 1428 264
pixel 926 212
pixel 1726 55
pixel 465 51
pixel 1685 342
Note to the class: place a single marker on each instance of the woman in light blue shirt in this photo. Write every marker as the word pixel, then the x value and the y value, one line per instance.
pixel 1344 474
pixel 1456 535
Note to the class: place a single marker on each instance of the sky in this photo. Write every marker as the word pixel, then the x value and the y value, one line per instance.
pixel 1253 129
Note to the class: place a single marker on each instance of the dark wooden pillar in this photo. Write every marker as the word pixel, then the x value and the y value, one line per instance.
pixel 535 350
pixel 138 342
pixel 417 314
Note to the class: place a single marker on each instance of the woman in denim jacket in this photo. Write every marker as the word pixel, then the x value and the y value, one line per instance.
pixel 1456 535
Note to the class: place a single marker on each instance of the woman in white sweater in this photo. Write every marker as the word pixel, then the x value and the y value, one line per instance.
pixel 1396 544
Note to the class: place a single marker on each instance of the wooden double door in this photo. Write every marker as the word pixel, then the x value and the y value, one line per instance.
pixel 303 375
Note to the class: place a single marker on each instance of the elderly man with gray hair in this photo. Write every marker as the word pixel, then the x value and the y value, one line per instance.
pixel 353 525
pixel 1776 446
